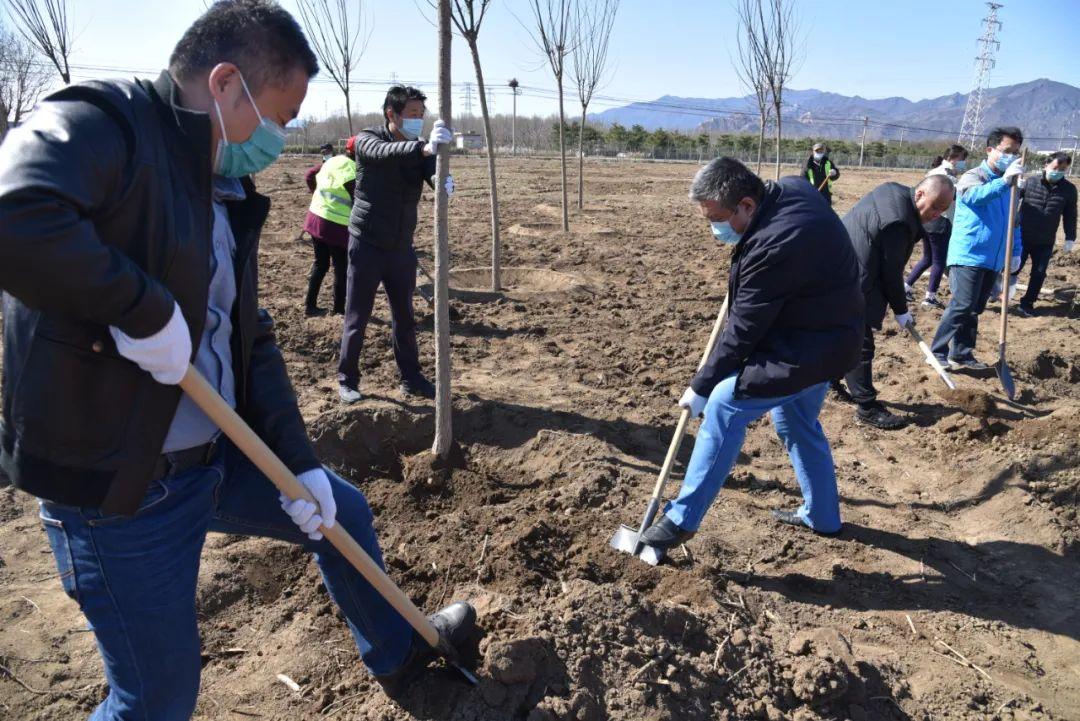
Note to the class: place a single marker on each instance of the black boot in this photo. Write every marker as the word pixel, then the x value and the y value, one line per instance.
pixel 664 534
pixel 876 415
pixel 455 623
pixel 419 386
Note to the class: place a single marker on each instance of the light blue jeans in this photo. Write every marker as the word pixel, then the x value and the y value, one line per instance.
pixel 722 432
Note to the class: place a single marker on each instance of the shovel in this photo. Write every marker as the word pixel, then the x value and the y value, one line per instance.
pixel 930 357
pixel 627 539
pixel 259 453
pixel 1002 366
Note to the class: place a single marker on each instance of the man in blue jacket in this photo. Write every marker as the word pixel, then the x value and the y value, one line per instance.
pixel 795 322
pixel 977 247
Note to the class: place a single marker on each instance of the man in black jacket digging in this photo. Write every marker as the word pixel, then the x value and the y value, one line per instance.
pixel 392 165
pixel 129 232
pixel 795 321
pixel 1049 202
pixel 884 227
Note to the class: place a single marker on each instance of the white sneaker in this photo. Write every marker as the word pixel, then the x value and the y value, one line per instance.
pixel 348 395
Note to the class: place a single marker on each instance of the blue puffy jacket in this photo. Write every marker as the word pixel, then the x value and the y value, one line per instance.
pixel 981 221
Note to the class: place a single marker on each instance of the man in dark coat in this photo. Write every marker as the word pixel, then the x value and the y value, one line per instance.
pixel 884 227
pixel 1049 203
pixel 392 165
pixel 795 321
pixel 129 233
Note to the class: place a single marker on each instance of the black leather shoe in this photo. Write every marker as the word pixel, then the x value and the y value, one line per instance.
pixel 313 312
pixel 420 387
pixel 664 534
pixel 874 414
pixel 455 623
pixel 794 519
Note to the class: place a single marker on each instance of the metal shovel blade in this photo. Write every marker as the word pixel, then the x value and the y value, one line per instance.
pixel 1005 377
pixel 628 540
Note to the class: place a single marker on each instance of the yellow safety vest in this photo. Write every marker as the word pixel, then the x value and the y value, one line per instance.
pixel 331 201
pixel 828 172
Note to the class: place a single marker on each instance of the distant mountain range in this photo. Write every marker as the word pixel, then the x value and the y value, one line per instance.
pixel 1039 107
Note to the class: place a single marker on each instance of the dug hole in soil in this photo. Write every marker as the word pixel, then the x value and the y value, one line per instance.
pixel 951 593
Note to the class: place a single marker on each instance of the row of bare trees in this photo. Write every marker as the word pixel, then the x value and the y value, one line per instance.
pixel 769 46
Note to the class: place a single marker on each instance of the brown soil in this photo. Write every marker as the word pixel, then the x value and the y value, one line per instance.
pixel 961 530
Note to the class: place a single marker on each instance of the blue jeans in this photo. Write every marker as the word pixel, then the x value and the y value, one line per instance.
pixel 1040 262
pixel 959 327
pixel 721 436
pixel 134 578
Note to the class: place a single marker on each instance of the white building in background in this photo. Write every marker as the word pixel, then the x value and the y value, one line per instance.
pixel 468 141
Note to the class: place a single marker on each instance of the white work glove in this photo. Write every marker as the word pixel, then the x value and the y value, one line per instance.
pixel 1013 280
pixel 449 185
pixel 307 515
pixel 693 402
pixel 1069 245
pixel 1015 170
pixel 165 355
pixel 904 320
pixel 834 174
pixel 440 135
pixel 1014 264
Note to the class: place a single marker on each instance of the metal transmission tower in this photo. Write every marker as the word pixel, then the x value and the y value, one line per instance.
pixel 984 63
pixel 466 95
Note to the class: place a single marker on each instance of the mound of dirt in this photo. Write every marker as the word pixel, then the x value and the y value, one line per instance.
pixel 972 401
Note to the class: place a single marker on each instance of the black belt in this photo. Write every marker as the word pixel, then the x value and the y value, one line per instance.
pixel 171 464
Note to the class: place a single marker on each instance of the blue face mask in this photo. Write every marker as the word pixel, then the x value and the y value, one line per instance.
pixel 724 233
pixel 1005 161
pixel 412 127
pixel 235 160
pixel 1055 175
pixel 959 165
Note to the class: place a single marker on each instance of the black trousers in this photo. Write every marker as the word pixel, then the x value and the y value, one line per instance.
pixel 395 270
pixel 1040 262
pixel 324 254
pixel 860 379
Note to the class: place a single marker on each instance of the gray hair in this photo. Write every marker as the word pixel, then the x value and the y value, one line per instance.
pixel 726 181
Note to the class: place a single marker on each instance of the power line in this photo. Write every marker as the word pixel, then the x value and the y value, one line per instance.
pixel 608 101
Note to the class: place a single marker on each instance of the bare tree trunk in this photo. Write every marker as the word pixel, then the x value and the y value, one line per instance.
pixel 489 140
pixel 760 144
pixel 348 112
pixel 562 158
pixel 581 162
pixel 779 134
pixel 443 427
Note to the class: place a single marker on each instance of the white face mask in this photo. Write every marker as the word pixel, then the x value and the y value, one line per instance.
pixel 818 156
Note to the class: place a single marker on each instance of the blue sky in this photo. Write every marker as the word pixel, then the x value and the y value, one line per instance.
pixel 874 48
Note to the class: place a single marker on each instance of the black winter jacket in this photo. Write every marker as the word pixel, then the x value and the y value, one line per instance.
pixel 389 179
pixel 795 309
pixel 105 219
pixel 1045 205
pixel 884 227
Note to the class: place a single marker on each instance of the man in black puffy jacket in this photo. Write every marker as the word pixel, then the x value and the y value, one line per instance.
pixel 1049 202
pixel 795 322
pixel 392 164
pixel 884 226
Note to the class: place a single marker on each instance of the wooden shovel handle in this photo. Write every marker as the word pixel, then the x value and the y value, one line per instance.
pixel 233 426
pixel 1006 274
pixel 684 417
